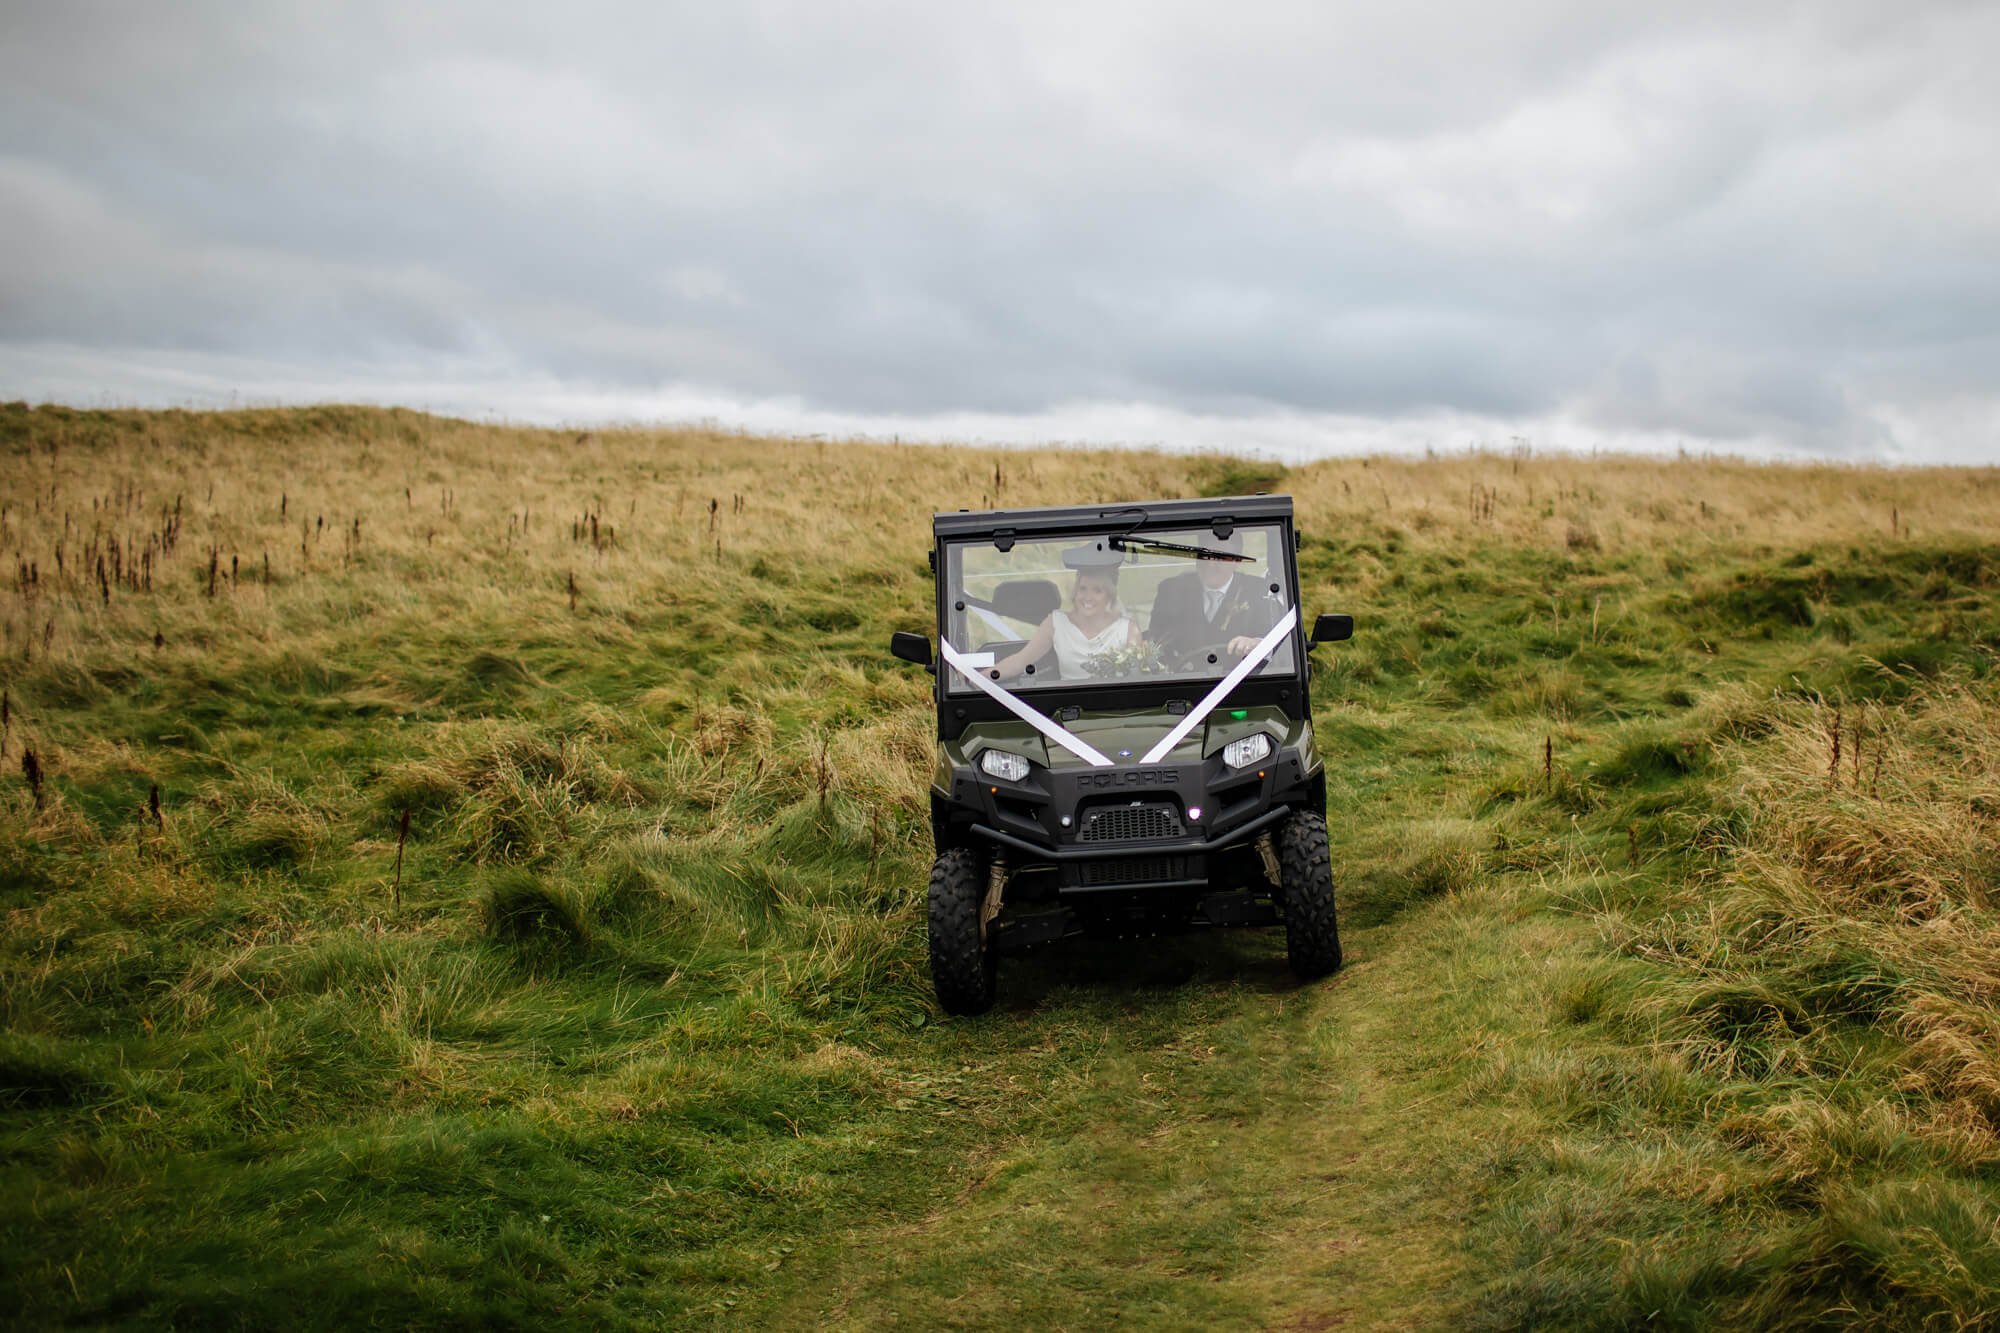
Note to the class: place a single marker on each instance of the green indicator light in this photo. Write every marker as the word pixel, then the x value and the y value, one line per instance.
pixel 1239 713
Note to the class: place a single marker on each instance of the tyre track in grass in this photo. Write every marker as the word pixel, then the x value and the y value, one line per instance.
pixel 1241 1151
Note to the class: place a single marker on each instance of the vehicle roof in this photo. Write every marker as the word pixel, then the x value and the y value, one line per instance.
pixel 1071 518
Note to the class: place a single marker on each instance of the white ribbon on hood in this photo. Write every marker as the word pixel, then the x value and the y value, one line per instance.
pixel 1012 702
pixel 1251 661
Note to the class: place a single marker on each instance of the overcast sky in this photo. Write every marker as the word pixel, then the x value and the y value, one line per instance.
pixel 1302 228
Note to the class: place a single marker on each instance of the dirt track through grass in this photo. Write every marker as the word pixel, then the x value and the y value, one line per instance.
pixel 1653 1013
pixel 1229 1148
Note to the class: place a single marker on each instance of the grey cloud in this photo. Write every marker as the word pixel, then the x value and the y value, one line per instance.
pixel 1776 225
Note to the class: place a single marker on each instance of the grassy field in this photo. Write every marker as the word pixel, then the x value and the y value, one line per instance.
pixel 1666 807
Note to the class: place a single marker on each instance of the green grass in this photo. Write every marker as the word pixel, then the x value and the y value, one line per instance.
pixel 1646 1019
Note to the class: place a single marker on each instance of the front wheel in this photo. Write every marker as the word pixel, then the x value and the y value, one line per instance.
pixel 1305 864
pixel 962 964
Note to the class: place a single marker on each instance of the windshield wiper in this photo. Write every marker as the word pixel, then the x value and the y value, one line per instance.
pixel 1155 546
pixel 1125 541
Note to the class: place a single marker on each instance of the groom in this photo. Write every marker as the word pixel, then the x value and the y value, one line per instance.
pixel 1218 604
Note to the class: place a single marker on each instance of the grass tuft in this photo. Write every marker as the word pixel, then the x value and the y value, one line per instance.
pixel 37 1071
pixel 523 908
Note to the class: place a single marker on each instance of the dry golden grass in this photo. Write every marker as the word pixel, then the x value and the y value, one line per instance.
pixel 421 510
pixel 1861 895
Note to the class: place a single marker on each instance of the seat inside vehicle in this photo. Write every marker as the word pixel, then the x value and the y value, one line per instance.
pixel 1029 600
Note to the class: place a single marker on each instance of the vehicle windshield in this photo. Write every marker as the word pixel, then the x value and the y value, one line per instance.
pixel 1075 610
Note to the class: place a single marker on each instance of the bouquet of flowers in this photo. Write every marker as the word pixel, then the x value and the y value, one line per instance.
pixel 1121 662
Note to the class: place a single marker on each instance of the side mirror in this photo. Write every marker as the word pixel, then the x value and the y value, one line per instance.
pixel 1329 629
pixel 910 647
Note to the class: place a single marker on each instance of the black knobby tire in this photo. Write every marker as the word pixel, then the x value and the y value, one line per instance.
pixel 962 967
pixel 1312 934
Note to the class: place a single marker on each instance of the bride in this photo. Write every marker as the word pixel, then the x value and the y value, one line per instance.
pixel 1094 625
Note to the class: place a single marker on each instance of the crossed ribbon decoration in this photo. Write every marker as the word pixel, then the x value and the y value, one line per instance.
pixel 1083 749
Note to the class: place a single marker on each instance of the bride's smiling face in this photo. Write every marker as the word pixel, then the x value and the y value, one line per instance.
pixel 1093 595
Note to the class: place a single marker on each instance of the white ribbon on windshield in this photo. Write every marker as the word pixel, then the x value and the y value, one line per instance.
pixel 995 623
pixel 1013 704
pixel 1251 661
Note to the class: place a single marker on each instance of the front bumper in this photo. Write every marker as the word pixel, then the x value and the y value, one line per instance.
pixel 1043 819
pixel 1123 850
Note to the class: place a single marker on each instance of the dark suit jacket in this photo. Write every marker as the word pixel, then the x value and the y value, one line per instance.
pixel 1179 627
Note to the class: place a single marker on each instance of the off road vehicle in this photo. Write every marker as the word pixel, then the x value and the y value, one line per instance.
pixel 1124 733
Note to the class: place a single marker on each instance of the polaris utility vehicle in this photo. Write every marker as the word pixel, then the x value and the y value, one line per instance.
pixel 1125 740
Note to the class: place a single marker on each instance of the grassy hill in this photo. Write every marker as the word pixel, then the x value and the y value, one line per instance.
pixel 1666 807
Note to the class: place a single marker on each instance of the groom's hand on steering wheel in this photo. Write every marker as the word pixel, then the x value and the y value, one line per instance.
pixel 1242 644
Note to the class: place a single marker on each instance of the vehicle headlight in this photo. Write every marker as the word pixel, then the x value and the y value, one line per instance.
pixel 1247 751
pixel 1001 764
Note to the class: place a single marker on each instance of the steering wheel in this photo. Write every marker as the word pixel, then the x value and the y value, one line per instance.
pixel 1197 655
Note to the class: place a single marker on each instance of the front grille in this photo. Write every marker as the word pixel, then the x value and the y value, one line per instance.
pixel 1139 870
pixel 1131 823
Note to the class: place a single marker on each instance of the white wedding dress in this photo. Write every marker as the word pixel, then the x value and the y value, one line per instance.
pixel 1074 648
